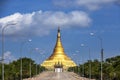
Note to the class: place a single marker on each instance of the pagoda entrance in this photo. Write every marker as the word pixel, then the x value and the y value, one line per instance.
pixel 58 67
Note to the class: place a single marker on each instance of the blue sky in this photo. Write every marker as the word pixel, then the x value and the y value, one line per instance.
pixel 39 19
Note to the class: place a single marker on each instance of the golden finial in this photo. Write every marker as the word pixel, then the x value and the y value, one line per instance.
pixel 58 29
pixel 58 35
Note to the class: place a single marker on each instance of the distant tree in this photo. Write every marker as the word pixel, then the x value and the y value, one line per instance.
pixel 12 70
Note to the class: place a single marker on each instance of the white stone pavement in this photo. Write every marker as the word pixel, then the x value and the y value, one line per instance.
pixel 58 76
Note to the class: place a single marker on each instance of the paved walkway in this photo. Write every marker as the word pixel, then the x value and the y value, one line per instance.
pixel 58 76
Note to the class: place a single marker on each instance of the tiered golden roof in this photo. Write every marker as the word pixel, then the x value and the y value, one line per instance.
pixel 58 56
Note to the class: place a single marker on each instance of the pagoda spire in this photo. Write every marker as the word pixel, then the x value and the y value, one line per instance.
pixel 58 47
pixel 58 55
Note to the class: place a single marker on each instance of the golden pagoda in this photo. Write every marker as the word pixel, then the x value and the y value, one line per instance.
pixel 58 56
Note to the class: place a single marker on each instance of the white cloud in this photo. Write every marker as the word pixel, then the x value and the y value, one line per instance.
pixel 40 23
pixel 8 57
pixel 93 4
pixel 90 4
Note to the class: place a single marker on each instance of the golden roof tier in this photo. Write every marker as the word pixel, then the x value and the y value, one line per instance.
pixel 58 55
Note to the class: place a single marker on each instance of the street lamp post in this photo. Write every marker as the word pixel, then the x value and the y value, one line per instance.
pixel 36 68
pixel 21 57
pixel 3 47
pixel 101 58
pixel 89 65
pixel 30 64
pixel 89 60
pixel 36 62
pixel 92 34
pixel 78 61
pixel 30 61
pixel 83 70
pixel 82 67
pixel 41 53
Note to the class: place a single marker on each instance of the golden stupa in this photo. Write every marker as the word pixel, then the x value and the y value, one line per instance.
pixel 58 56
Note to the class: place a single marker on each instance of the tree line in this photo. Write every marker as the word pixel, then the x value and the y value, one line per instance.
pixel 92 69
pixel 12 69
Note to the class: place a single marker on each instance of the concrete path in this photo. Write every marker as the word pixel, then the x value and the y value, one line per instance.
pixel 58 76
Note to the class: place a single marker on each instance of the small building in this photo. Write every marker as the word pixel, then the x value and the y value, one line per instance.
pixel 58 67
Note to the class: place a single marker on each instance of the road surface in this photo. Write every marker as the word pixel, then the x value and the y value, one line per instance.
pixel 57 76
